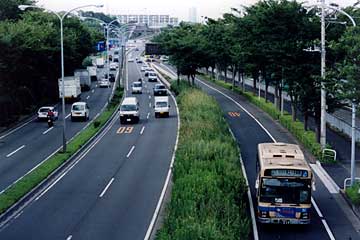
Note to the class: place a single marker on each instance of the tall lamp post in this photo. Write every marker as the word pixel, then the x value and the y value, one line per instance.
pixel 323 92
pixel 61 18
pixel 107 37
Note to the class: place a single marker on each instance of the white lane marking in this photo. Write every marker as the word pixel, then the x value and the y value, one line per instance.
pixel 45 132
pixel 130 152
pixel 149 96
pixel 69 237
pixel 88 97
pixel 79 158
pixel 106 188
pixel 15 151
pixel 93 91
pixel 252 211
pixel 15 129
pixel 327 228
pixel 162 195
pixel 67 116
pixel 148 115
pixel 150 104
pixel 327 182
pixel 316 207
pixel 240 106
pixel 18 215
pixel 142 130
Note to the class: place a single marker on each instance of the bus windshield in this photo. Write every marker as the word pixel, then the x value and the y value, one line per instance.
pixel 285 190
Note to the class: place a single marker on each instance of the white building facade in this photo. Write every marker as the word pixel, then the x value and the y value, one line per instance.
pixel 153 20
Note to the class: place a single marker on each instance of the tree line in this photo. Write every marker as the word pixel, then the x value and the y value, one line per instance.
pixel 268 41
pixel 30 56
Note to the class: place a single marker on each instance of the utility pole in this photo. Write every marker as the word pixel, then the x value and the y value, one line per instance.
pixel 323 91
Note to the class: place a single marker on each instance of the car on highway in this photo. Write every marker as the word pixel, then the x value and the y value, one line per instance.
pixel 148 70
pixel 139 61
pixel 130 60
pixel 152 77
pixel 112 77
pixel 104 83
pixel 129 110
pixel 79 110
pixel 143 68
pixel 113 66
pixel 43 112
pixel 136 87
pixel 160 90
pixel 161 106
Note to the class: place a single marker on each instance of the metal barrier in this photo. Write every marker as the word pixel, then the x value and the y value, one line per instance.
pixel 329 154
pixel 347 182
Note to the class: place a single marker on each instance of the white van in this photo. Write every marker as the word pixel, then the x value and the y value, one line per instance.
pixel 129 110
pixel 161 106
pixel 80 110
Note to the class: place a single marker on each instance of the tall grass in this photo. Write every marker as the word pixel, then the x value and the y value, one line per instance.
pixel 209 193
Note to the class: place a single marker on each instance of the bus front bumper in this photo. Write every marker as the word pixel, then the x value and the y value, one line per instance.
pixel 284 221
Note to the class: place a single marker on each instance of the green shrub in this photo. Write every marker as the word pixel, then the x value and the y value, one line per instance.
pixel 96 124
pixel 209 198
pixel 353 194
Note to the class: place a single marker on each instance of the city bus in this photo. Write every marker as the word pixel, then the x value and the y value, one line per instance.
pixel 284 184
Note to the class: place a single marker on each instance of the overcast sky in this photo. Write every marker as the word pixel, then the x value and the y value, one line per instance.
pixel 177 8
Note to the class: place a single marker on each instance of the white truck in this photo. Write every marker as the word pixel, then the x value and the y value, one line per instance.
pixel 92 73
pixel 72 87
pixel 85 81
pixel 100 62
pixel 161 106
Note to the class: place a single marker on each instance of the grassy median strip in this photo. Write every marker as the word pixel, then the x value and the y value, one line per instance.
pixel 31 180
pixel 353 194
pixel 209 198
pixel 307 138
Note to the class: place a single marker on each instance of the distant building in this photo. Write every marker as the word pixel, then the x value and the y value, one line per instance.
pixel 193 15
pixel 153 21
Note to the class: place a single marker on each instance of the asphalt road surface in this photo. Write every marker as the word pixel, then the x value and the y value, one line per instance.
pixel 113 190
pixel 23 148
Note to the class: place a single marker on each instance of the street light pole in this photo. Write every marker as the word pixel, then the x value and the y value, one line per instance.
pixel 61 18
pixel 323 91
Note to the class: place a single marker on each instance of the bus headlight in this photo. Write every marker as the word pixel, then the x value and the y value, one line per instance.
pixel 305 215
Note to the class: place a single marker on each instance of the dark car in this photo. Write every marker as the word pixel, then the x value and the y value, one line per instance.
pixel 160 90
pixel 112 77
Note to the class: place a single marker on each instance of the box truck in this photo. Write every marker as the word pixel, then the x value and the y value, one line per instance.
pixel 85 81
pixel 92 73
pixel 100 62
pixel 72 87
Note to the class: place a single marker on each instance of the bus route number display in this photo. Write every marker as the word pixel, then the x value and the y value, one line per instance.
pixel 288 173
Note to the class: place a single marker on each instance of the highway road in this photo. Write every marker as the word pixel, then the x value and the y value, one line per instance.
pixel 112 190
pixel 23 148
pixel 331 218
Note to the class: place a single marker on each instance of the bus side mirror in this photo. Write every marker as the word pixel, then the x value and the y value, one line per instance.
pixel 257 184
